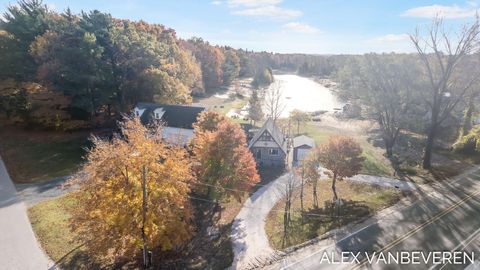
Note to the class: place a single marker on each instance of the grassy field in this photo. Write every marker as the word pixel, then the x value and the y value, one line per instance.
pixel 50 222
pixel 360 201
pixel 375 163
pixel 32 156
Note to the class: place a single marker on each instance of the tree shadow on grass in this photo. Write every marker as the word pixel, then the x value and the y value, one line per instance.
pixel 318 221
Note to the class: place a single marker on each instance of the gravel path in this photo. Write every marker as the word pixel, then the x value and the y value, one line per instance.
pixel 18 245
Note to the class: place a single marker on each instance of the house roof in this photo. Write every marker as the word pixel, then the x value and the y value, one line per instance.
pixel 178 116
pixel 276 134
pixel 303 140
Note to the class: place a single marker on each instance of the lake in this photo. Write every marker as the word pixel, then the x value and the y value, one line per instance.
pixel 304 94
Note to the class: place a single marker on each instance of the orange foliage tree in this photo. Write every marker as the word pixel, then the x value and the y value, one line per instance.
pixel 342 156
pixel 224 164
pixel 109 217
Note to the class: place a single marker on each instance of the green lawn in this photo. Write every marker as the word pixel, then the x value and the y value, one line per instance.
pixel 374 164
pixel 32 156
pixel 50 222
pixel 360 201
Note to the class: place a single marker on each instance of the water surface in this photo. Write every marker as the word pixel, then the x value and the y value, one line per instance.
pixel 304 94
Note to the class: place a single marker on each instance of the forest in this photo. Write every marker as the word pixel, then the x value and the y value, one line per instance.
pixel 67 71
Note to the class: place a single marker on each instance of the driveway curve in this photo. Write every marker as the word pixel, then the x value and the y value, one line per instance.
pixel 18 245
pixel 250 243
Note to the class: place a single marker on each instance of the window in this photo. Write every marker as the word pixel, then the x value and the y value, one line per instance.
pixel 273 152
pixel 157 116
pixel 137 113
pixel 266 137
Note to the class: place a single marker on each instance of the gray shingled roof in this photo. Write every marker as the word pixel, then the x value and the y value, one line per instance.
pixel 303 140
pixel 276 134
pixel 179 116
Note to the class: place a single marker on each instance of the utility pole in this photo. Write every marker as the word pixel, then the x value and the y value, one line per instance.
pixel 144 216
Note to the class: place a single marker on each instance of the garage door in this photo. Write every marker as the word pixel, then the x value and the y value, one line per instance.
pixel 302 153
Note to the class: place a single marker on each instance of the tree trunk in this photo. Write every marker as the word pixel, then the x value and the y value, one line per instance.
pixel 301 196
pixel 334 188
pixel 298 127
pixel 427 155
pixel 315 198
pixel 389 148
pixel 144 216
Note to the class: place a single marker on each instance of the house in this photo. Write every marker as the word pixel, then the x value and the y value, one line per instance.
pixel 269 145
pixel 177 120
pixel 301 147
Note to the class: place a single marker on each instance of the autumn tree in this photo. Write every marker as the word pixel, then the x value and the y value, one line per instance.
pixel 225 166
pixel 442 55
pixel 208 121
pixel 342 156
pixel 299 117
pixel 211 60
pixel 255 110
pixel 57 53
pixel 230 67
pixel 109 217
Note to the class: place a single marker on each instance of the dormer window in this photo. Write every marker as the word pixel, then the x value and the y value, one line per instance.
pixel 158 113
pixel 138 112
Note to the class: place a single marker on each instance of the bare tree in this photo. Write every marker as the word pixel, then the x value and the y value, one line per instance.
pixel 289 188
pixel 441 55
pixel 273 101
pixel 386 89
pixel 310 171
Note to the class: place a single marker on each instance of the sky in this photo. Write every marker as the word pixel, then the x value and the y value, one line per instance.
pixel 289 26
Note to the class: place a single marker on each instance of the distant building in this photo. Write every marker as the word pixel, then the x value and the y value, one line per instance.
pixel 269 145
pixel 177 119
pixel 301 147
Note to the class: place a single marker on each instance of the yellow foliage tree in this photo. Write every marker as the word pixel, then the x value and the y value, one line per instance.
pixel 109 215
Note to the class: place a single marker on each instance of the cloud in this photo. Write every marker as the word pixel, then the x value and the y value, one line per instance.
pixel 216 3
pixel 262 9
pixel 272 12
pixel 253 3
pixel 447 12
pixel 301 28
pixel 393 38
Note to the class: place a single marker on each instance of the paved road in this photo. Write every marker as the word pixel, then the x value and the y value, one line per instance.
pixel 445 219
pixel 37 192
pixel 19 248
